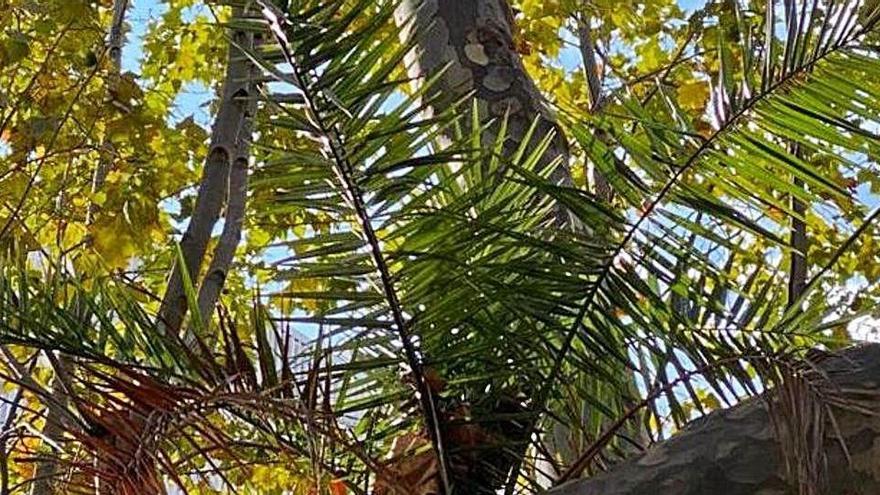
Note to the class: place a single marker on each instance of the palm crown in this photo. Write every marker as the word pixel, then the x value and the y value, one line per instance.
pixel 441 310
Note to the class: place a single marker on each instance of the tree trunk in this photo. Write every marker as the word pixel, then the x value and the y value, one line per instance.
pixel 230 131
pixel 115 44
pixel 473 43
pixel 473 40
pixel 47 470
pixel 224 253
pixel 736 451
pixel 592 72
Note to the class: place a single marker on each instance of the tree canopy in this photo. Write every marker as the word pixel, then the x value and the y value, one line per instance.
pixel 424 246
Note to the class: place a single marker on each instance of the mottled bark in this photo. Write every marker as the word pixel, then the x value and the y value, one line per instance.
pixel 230 130
pixel 735 451
pixel 117 38
pixel 474 41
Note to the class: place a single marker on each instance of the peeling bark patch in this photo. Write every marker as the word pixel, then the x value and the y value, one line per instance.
pixel 460 78
pixel 476 53
pixel 507 105
pixel 472 41
pixel 498 79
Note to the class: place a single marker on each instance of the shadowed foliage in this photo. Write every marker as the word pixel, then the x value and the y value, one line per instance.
pixel 434 274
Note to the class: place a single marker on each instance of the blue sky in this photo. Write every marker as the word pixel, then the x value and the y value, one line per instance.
pixel 194 98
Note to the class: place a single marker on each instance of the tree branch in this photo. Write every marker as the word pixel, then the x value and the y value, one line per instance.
pixel 601 188
pixel 229 130
pixel 224 253
pixel 114 48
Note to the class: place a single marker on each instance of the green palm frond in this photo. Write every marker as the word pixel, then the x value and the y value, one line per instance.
pixel 727 195
pixel 445 246
pixel 438 300
pixel 496 299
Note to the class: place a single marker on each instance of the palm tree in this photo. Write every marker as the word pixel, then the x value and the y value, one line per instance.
pixel 476 322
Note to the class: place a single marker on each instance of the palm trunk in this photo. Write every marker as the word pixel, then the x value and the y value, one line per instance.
pixel 229 134
pixel 473 43
pixel 473 40
pixel 736 451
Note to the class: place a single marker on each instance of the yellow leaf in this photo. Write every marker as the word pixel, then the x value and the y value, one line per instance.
pixel 258 238
pixel 711 402
pixel 651 54
pixel 309 285
pixel 693 95
pixel 776 214
pixel 840 337
pixel 73 234
pixel 113 241
pixel 117 177
pixel 99 198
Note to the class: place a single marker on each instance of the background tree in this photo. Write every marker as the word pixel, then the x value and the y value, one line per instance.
pixel 407 313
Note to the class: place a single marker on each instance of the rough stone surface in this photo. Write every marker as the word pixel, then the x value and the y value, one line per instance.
pixel 734 452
